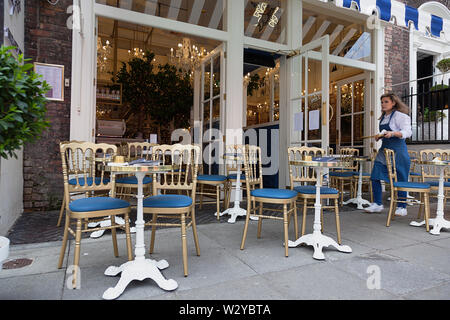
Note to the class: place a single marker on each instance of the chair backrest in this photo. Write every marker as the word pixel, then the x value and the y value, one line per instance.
pixel 347 154
pixel 185 158
pixel 253 167
pixel 79 166
pixel 304 175
pixel 430 171
pixel 139 150
pixel 231 166
pixel 390 164
pixel 413 154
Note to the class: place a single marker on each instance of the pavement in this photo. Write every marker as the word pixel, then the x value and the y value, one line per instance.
pixel 396 263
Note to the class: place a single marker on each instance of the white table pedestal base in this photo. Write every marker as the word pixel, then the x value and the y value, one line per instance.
pixel 360 202
pixel 318 241
pixel 138 270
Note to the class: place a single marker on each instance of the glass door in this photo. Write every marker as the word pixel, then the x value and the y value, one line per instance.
pixel 351 108
pixel 212 109
pixel 310 95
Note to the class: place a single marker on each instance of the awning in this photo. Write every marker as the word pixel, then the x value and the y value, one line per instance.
pixel 402 15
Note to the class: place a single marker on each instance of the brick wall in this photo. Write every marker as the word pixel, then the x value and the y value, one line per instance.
pixel 47 40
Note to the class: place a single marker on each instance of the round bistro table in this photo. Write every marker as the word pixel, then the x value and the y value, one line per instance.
pixel 140 268
pixel 316 239
pixel 359 201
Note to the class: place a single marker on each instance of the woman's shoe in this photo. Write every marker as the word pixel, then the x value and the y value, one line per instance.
pixel 401 212
pixel 374 208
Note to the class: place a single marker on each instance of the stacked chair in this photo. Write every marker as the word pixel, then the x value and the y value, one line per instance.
pixel 175 206
pixel 342 177
pixel 395 186
pixel 307 189
pixel 256 193
pixel 79 159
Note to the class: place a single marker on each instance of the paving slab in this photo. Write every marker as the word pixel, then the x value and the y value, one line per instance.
pixel 441 292
pixel 397 276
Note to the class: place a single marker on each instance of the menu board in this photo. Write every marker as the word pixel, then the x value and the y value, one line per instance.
pixel 54 75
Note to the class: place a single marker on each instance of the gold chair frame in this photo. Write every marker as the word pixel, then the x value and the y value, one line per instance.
pixel 185 157
pixel 254 177
pixel 305 175
pixel 392 172
pixel 340 182
pixel 81 156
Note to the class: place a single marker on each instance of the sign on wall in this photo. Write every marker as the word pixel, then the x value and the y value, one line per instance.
pixel 54 75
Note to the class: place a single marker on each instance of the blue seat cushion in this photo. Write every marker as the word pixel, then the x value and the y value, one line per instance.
pixel 312 190
pixel 436 184
pixel 234 177
pixel 97 204
pixel 342 174
pixel 211 177
pixel 365 174
pixel 274 193
pixel 416 174
pixel 98 181
pixel 168 201
pixel 133 180
pixel 414 185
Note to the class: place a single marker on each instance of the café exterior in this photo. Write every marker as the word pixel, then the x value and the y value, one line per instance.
pixel 329 61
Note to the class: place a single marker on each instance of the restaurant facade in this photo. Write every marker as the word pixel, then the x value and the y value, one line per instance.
pixel 276 73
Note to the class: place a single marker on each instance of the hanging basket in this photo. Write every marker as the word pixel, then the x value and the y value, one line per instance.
pixel 4 250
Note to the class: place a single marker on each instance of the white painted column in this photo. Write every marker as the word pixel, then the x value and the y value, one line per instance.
pixel 82 121
pixel 413 76
pixel 379 81
pixel 234 71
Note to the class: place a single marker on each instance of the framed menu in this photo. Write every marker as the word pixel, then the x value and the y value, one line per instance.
pixel 53 74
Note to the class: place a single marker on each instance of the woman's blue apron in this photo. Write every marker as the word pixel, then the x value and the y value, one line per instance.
pixel 402 160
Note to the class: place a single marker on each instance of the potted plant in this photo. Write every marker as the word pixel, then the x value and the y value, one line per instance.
pixel 22 110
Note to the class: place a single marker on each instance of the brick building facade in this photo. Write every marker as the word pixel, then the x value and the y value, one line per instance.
pixel 47 40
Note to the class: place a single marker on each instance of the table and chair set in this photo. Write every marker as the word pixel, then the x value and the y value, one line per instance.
pixel 167 180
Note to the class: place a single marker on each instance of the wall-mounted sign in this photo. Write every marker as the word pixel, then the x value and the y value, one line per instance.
pixel 54 75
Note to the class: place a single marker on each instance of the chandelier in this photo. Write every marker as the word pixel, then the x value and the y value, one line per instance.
pixel 136 53
pixel 103 54
pixel 187 56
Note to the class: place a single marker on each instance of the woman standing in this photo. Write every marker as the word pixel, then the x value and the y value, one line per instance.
pixel 395 123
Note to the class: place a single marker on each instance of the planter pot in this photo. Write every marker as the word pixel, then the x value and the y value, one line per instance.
pixel 4 250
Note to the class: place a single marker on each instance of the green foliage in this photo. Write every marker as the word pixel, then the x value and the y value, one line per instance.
pixel 432 115
pixel 438 87
pixel 444 65
pixel 255 83
pixel 163 92
pixel 22 103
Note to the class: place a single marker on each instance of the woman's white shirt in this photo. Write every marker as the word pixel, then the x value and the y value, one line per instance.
pixel 400 122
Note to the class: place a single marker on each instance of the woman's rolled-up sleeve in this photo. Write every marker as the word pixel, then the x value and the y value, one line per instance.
pixel 403 124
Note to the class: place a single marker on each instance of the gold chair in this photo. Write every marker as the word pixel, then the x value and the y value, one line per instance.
pixel 342 177
pixel 414 175
pixel 126 184
pixel 395 186
pixel 305 176
pixel 432 172
pixel 214 182
pixel 257 193
pixel 186 158
pixel 82 158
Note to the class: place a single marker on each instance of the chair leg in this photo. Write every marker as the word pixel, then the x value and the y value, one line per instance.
pixel 338 223
pixel 128 236
pixel 218 201
pixel 422 201
pixel 305 208
pixel 260 220
pixel 286 230
pixel 114 235
pixel 152 239
pixel 342 191
pixel 247 218
pixel 61 211
pixel 184 243
pixel 427 210
pixel 64 241
pixel 294 205
pixel 76 260
pixel 371 191
pixel 194 231
pixel 201 197
pixel 391 206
